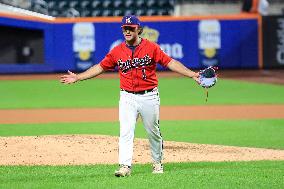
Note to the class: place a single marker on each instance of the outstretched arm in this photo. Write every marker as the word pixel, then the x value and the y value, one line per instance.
pixel 73 78
pixel 178 67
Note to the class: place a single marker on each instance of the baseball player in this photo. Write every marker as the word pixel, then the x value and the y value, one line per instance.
pixel 137 60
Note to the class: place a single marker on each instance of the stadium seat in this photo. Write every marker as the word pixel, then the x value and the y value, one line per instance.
pixel 85 13
pixel 151 4
pixel 96 13
pixel 71 12
pixel 96 4
pixel 73 4
pixel 162 12
pixel 40 6
pixel 162 3
pixel 118 12
pixel 151 12
pixel 140 3
pixel 140 12
pixel 129 12
pixel 172 3
pixel 118 4
pixel 107 12
pixel 107 4
pixel 53 13
pixel 62 5
pixel 51 5
pixel 85 4
pixel 128 3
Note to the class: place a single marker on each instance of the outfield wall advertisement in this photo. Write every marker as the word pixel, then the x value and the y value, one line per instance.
pixel 273 41
pixel 228 44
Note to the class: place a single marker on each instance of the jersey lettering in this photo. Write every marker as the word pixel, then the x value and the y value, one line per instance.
pixel 135 63
pixel 139 72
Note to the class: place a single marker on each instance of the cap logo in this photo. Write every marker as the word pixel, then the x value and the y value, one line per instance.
pixel 128 20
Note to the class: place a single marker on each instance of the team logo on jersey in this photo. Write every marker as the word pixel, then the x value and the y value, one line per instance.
pixel 135 63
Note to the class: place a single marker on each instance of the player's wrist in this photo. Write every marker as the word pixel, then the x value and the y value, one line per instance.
pixel 78 78
pixel 193 75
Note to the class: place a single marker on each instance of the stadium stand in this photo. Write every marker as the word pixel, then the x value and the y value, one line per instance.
pixel 215 7
pixel 96 8
pixel 88 8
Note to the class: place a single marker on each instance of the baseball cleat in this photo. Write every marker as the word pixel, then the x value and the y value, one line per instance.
pixel 123 171
pixel 158 168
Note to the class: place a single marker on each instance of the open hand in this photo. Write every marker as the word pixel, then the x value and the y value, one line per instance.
pixel 70 78
pixel 196 78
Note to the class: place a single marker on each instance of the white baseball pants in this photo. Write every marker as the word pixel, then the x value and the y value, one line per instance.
pixel 148 106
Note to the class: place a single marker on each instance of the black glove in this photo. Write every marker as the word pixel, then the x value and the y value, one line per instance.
pixel 208 77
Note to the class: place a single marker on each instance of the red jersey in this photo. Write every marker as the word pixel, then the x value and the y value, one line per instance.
pixel 137 67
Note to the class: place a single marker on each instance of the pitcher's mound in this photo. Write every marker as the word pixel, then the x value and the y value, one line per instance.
pixel 94 149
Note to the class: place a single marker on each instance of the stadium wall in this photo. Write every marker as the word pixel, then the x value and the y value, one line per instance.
pixel 230 42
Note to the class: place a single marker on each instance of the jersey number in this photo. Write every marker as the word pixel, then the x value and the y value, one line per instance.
pixel 144 74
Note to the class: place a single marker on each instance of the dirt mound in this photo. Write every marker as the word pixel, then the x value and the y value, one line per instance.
pixel 94 149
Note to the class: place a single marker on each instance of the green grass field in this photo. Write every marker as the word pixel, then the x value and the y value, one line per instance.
pixel 266 133
pixel 261 174
pixel 105 93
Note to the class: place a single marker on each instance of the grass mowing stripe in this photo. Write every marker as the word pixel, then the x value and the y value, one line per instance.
pixel 52 94
pixel 105 93
pixel 59 129
pixel 182 92
pixel 250 133
pixel 246 133
pixel 259 174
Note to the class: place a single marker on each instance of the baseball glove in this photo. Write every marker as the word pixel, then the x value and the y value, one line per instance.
pixel 208 77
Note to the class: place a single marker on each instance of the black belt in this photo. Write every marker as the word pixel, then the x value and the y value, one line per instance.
pixel 138 92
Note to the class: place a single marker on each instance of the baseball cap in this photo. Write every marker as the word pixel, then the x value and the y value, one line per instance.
pixel 130 20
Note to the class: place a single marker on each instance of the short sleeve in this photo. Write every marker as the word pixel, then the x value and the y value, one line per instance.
pixel 108 63
pixel 161 57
